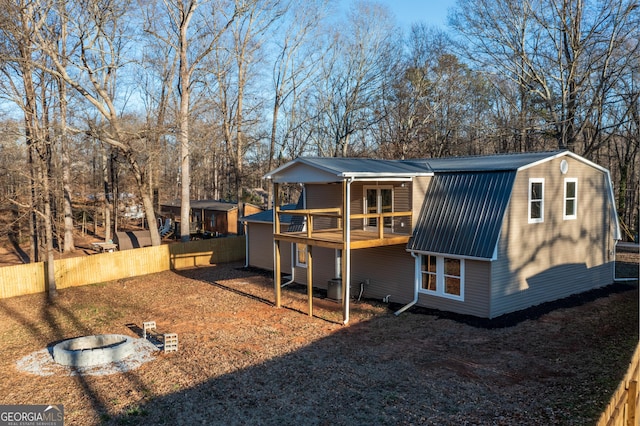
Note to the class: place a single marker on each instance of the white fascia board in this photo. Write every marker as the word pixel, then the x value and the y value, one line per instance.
pixel 544 160
pixel 297 161
pixel 386 175
pixel 453 256
pixel 383 176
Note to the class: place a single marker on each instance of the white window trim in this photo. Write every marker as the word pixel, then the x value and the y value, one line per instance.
pixel 573 216
pixel 440 276
pixel 529 200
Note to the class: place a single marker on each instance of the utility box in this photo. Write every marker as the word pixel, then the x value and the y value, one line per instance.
pixel 334 289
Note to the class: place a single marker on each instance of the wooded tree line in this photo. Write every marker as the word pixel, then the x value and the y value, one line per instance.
pixel 198 99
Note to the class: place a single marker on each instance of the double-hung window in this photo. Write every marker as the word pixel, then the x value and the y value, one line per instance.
pixel 570 199
pixel 536 200
pixel 442 276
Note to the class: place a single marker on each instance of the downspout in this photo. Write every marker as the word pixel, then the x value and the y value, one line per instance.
pixel 293 270
pixel 416 285
pixel 346 257
pixel 293 252
pixel 246 245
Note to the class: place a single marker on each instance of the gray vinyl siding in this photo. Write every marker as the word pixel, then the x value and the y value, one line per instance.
pixel 323 196
pixel 477 283
pixel 419 188
pixel 324 265
pixel 389 271
pixel 261 254
pixel 540 262
pixel 402 203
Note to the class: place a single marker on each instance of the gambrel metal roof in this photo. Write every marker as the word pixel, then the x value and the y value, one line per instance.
pixel 465 203
pixel 486 163
pixel 462 213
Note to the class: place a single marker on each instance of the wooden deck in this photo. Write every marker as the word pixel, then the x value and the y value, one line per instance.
pixel 332 238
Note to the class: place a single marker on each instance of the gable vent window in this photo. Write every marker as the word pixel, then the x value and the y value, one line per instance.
pixel 536 200
pixel 570 199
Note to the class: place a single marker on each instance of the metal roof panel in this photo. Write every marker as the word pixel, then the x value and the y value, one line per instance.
pixel 462 213
pixel 497 162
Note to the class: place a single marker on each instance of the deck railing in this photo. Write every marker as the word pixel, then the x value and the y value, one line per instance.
pixel 400 221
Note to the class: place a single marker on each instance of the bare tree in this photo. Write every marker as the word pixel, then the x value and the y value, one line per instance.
pixel 565 56
pixel 69 245
pixel 192 37
pixel 294 63
pixel 99 37
pixel 234 71
pixel 361 56
pixel 19 23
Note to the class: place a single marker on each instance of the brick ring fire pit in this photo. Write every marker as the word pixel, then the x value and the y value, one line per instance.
pixel 88 351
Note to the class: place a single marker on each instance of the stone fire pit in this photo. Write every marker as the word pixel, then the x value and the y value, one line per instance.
pixel 88 351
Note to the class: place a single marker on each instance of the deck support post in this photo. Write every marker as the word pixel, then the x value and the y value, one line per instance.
pixel 310 278
pixel 277 276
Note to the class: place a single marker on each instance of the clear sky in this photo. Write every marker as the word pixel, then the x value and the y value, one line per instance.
pixel 407 12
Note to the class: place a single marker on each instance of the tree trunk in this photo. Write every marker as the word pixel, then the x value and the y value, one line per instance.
pixel 183 136
pixel 69 244
pixel 52 289
pixel 106 206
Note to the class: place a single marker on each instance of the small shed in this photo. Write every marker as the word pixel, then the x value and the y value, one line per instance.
pixel 210 216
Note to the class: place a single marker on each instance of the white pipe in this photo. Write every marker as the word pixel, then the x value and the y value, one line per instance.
pixel 416 285
pixel 246 245
pixel 346 257
pixel 294 246
pixel 293 268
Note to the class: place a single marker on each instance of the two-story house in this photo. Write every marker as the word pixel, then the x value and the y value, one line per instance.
pixel 482 236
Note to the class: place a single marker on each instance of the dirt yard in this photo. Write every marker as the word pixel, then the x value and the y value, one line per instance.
pixel 242 361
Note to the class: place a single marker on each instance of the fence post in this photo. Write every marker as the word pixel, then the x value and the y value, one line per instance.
pixel 632 396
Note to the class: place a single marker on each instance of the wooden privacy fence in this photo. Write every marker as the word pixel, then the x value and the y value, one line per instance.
pixel 624 405
pixel 77 271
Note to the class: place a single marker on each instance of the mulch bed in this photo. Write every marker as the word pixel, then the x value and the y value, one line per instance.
pixel 242 361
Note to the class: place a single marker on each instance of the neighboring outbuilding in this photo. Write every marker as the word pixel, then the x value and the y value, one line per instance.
pixel 213 217
pixel 482 236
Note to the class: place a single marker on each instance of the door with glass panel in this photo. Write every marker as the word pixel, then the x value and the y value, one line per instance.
pixel 378 200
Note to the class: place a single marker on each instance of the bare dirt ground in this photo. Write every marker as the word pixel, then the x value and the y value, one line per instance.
pixel 242 361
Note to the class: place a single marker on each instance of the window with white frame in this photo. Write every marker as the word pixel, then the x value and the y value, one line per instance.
pixel 442 276
pixel 570 198
pixel 301 255
pixel 536 200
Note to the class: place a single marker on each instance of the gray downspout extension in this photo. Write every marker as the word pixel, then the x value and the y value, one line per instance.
pixel 293 269
pixel 293 254
pixel 246 245
pixel 416 284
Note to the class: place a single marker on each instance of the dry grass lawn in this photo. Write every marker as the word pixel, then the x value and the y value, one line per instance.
pixel 242 361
